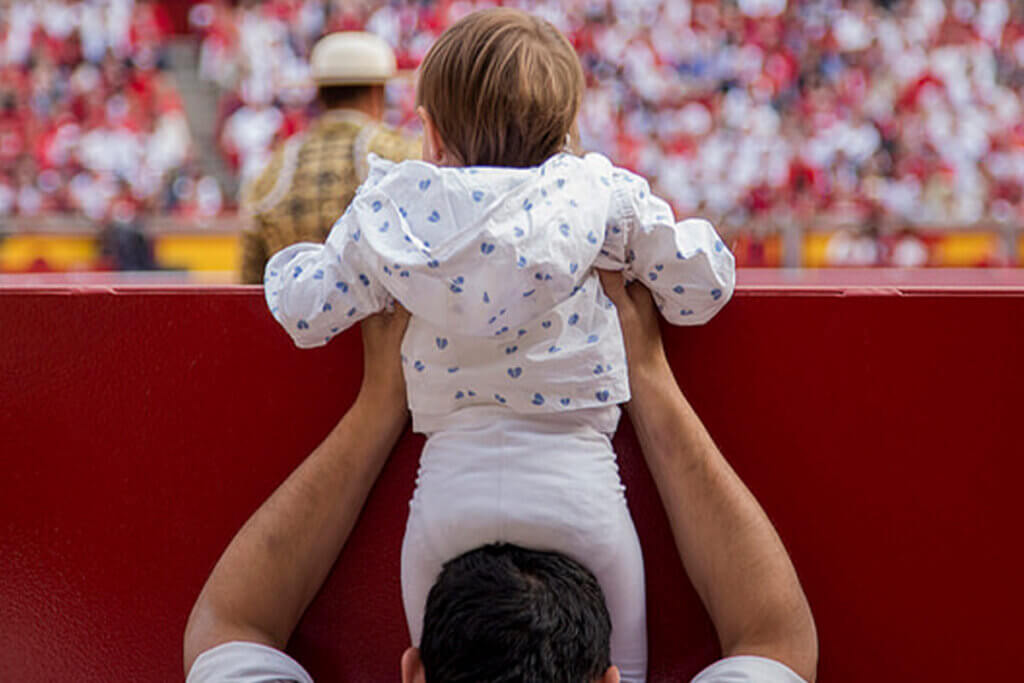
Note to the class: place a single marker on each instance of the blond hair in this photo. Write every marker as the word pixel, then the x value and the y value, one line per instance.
pixel 503 88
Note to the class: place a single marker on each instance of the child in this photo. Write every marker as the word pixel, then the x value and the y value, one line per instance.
pixel 513 357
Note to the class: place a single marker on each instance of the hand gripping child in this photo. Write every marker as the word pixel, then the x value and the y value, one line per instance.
pixel 513 357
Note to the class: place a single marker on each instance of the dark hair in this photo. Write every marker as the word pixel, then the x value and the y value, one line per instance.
pixel 335 96
pixel 504 614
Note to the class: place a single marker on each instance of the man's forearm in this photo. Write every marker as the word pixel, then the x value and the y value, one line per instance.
pixel 730 550
pixel 276 563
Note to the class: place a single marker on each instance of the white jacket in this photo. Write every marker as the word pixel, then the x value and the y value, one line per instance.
pixel 497 266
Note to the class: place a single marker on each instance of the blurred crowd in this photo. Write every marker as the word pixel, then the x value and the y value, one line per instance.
pixel 908 111
pixel 90 123
pixel 887 113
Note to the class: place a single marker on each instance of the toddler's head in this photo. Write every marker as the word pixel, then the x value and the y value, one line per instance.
pixel 499 88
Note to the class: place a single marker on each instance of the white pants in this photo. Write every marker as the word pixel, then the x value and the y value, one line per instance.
pixel 545 484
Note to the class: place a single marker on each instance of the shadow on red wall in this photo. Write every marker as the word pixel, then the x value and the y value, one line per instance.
pixel 139 429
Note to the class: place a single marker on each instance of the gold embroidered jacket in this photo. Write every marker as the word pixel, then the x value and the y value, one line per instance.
pixel 309 181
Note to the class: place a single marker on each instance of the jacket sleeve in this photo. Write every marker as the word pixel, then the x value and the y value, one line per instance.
pixel 687 267
pixel 316 291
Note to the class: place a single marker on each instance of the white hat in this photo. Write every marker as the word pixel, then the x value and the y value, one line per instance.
pixel 351 58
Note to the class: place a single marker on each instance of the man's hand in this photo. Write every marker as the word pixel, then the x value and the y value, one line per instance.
pixel 277 562
pixel 733 556
pixel 639 319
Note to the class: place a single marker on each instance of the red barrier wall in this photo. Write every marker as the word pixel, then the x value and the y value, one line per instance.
pixel 139 429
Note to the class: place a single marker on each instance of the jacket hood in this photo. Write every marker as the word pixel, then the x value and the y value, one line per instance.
pixel 483 248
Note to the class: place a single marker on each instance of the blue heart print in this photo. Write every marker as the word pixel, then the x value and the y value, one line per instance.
pixel 686 311
pixel 502 331
pixel 486 248
pixel 458 395
pixel 384 227
pixel 302 325
pixel 591 237
pixel 592 338
pixel 521 262
pixel 519 232
pixel 424 184
pixel 487 299
pixel 405 214
pixel 678 289
pixel 564 401
pixel 561 183
pixel 404 273
pixel 546 324
pixel 499 398
pixel 470 393
pixel 318 275
pixel 387 271
pixel 441 343
pixel 538 400
pixel 298 271
pixel 491 321
pixel 598 369
pixel 652 276
pixel 377 206
pixel 434 217
pixel 572 268
pixel 515 372
pixel 679 255
pixel 716 294
pixel 326 308
pixel 602 395
pixel 564 229
pixel 527 204
pixel 511 349
pixel 529 293
pixel 658 267
pixel 452 371
pixel 719 246
pixel 477 195
pixel 351 312
pixel 356 235
pixel 432 263
pixel 365 280
pixel 554 349
pixel 419 366
pixel 521 332
pixel 574 318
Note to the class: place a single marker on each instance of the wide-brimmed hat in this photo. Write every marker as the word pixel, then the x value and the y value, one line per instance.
pixel 351 58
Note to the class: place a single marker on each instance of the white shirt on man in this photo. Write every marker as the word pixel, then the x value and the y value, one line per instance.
pixel 240 662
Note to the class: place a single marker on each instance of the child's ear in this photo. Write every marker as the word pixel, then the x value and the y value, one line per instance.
pixel 434 150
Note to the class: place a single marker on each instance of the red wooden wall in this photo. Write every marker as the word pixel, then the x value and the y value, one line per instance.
pixel 139 428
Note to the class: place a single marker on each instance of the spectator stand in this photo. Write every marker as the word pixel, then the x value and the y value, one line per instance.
pixel 811 132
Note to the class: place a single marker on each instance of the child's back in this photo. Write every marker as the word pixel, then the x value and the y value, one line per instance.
pixel 497 267
pixel 514 360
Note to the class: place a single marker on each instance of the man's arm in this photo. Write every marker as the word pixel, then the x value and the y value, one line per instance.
pixel 734 558
pixel 277 562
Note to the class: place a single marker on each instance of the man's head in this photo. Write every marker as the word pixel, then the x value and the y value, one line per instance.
pixel 503 614
pixel 499 88
pixel 350 70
